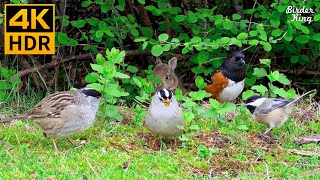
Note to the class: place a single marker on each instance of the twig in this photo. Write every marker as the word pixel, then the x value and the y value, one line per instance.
pixel 121 147
pixel 92 169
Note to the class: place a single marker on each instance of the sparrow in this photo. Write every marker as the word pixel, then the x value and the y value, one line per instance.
pixel 64 114
pixel 164 115
pixel 271 111
pixel 227 81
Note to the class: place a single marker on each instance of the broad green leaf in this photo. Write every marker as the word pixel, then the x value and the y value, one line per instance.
pixel 281 92
pixel 294 59
pixel 276 33
pixel 132 69
pixel 200 82
pixel 96 86
pixel 180 18
pixel 302 39
pixel 156 50
pixel 163 37
pixel 78 23
pixel 253 42
pixel 187 116
pixel 92 77
pixel 243 127
pixel 134 32
pixel 142 1
pixel 283 79
pixel 305 29
pixel 97 68
pixel 242 36
pixel 86 3
pixel 259 72
pixel 226 107
pixel 267 46
pixel 137 82
pixel 227 25
pixel 144 45
pixel 194 127
pixel 274 76
pixel 260 89
pixel 247 94
pixel 236 17
pixel 199 95
pixel 214 103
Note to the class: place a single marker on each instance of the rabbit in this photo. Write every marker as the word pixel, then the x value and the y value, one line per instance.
pixel 166 73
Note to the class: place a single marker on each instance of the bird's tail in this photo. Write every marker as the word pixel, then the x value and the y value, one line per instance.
pixel 303 95
pixel 13 118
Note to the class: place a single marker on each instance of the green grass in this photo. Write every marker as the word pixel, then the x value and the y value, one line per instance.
pixel 123 151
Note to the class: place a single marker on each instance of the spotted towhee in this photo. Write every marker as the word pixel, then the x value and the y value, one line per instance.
pixel 227 81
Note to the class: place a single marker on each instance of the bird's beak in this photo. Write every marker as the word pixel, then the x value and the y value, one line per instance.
pixel 166 102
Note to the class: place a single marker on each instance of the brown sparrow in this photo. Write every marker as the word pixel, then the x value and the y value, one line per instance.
pixel 65 113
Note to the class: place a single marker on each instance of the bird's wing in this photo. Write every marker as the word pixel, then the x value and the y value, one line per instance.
pixel 52 105
pixel 218 83
pixel 272 104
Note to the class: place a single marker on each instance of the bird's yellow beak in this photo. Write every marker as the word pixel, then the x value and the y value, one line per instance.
pixel 166 102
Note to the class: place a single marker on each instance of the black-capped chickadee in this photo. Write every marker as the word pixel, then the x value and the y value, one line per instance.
pixel 271 111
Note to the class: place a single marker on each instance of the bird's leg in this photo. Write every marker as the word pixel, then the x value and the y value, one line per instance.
pixel 70 141
pixel 268 130
pixel 154 143
pixel 174 145
pixel 55 147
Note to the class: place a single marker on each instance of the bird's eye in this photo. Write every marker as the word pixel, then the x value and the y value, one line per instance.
pixel 233 58
pixel 166 77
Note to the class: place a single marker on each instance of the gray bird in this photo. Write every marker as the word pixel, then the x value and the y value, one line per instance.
pixel 64 114
pixel 164 115
pixel 271 111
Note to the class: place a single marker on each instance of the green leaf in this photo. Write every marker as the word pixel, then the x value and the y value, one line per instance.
pixel 132 69
pixel 97 68
pixel 200 82
pixel 259 72
pixel 199 95
pixel 226 107
pixel 134 32
pixel 294 59
pixel 180 18
pixel 253 42
pixel 267 46
pixel 144 45
pixel 316 17
pixel 137 82
pixel 227 25
pixel 187 116
pixel 305 29
pixel 156 50
pixel 247 94
pixel 214 103
pixel 146 31
pixel 86 3
pixel 163 37
pixel 197 70
pixel 274 76
pixel 62 38
pixel 236 17
pixel 316 37
pixel 242 36
pixel 92 77
pixel 142 1
pixel 78 23
pixel 225 40
pixel 99 33
pixel 192 18
pixel 274 22
pixel 96 86
pixel 218 19
pixel 302 39
pixel 283 79
pixel 139 39
pixel 243 127
pixel 194 127
pixel 260 89
pixel 291 93
pixel 281 92
pixel 276 33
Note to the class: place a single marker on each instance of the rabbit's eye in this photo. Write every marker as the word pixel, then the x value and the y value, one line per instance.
pixel 166 77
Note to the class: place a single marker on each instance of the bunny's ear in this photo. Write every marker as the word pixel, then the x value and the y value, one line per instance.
pixel 158 60
pixel 173 63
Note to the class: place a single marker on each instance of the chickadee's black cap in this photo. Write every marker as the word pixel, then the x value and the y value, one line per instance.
pixel 91 92
pixel 165 94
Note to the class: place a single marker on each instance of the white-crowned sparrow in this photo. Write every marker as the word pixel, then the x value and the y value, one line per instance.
pixel 164 115
pixel 64 114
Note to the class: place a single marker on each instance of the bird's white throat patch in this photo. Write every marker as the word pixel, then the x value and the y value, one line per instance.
pixel 232 91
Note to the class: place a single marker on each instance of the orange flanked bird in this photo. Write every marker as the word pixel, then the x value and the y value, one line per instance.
pixel 227 81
